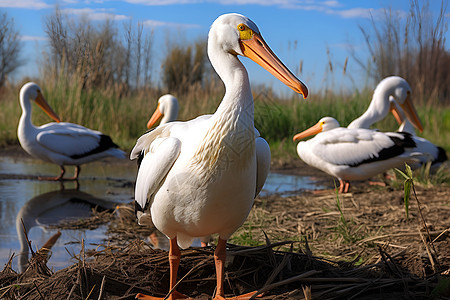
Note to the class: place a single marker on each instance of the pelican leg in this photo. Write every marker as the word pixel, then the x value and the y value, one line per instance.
pixel 344 186
pixel 57 178
pixel 341 186
pixel 75 174
pixel 219 258
pixel 174 262
pixel 377 183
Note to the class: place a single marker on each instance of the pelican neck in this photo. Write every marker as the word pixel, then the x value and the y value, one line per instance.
pixel 25 104
pixel 238 95
pixel 377 110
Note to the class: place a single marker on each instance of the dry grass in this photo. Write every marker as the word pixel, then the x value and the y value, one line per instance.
pixel 299 252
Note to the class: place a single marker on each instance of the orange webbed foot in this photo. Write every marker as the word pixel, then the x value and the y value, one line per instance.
pixel 239 297
pixel 173 295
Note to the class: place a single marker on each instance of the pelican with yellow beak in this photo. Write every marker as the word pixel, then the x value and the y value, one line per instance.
pixel 200 177
pixel 60 143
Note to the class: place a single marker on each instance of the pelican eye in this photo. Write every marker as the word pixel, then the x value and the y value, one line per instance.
pixel 245 33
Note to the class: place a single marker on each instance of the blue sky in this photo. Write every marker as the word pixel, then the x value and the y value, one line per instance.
pixel 295 29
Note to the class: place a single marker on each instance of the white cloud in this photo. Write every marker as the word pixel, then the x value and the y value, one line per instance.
pixel 27 4
pixel 356 12
pixel 159 2
pixel 332 3
pixel 281 3
pixel 154 23
pixel 367 13
pixel 27 38
pixel 331 7
pixel 95 14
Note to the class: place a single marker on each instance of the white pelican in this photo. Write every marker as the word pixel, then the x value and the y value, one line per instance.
pixel 379 107
pixel 60 143
pixel 353 154
pixel 200 177
pixel 393 94
pixel 430 152
pixel 167 111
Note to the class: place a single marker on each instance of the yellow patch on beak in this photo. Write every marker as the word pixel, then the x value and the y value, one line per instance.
pixel 245 33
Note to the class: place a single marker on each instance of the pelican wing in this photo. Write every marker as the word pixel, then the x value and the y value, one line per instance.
pixel 144 143
pixel 72 140
pixel 262 161
pixel 156 163
pixel 343 146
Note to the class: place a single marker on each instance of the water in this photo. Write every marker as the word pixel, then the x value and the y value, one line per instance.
pixel 43 203
pixel 287 185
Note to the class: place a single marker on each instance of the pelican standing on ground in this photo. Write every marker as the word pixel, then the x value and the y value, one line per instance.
pixel 200 177
pixel 60 143
pixel 167 111
pixel 393 94
pixel 353 153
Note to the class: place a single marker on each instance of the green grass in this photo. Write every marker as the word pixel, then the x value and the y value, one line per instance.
pixel 278 120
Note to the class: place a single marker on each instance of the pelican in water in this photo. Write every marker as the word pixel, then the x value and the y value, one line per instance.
pixel 353 153
pixel 200 177
pixel 60 143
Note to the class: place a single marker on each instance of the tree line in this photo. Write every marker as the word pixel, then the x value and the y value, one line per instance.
pixel 101 56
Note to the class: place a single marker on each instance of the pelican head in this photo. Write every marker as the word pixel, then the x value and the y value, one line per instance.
pixel 399 89
pixel 324 124
pixel 167 110
pixel 238 35
pixel 31 91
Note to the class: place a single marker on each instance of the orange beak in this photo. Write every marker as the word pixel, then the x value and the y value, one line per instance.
pixel 155 117
pixel 40 101
pixel 396 113
pixel 257 50
pixel 308 132
pixel 411 113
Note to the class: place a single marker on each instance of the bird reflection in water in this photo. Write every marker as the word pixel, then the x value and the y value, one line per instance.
pixel 52 208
